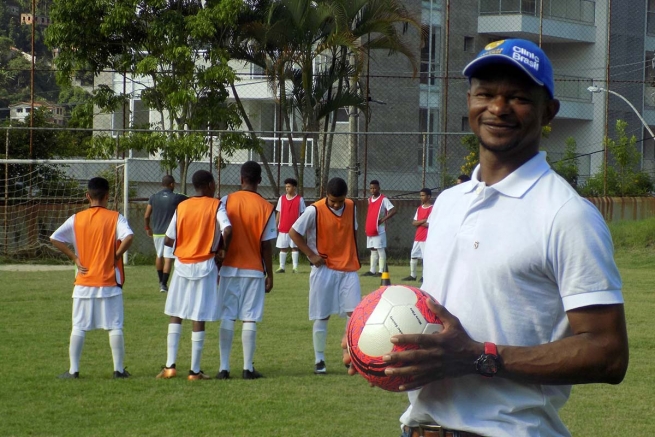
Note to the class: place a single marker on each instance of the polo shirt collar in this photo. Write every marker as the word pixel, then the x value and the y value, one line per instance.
pixel 517 183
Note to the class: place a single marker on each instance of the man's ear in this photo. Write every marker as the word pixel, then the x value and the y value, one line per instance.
pixel 552 108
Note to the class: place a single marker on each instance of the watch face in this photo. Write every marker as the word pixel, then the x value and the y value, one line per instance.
pixel 486 365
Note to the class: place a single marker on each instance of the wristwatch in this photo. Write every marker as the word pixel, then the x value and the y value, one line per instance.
pixel 489 362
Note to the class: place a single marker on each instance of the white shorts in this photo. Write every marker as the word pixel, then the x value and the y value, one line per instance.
pixel 417 249
pixel 284 241
pixel 241 298
pixel 377 242
pixel 98 313
pixel 332 292
pixel 161 249
pixel 193 299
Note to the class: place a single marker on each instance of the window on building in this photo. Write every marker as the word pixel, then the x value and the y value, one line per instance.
pixel 430 54
pixel 650 17
pixel 469 44
pixel 342 115
pixel 19 110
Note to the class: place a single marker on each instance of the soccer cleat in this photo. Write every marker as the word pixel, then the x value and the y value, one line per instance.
pixel 369 273
pixel 193 376
pixel 247 374
pixel 295 270
pixel 167 372
pixel 280 270
pixel 121 375
pixel 319 368
pixel 409 278
pixel 223 374
pixel 163 288
pixel 67 375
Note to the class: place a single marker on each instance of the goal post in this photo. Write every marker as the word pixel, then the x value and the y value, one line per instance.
pixel 38 195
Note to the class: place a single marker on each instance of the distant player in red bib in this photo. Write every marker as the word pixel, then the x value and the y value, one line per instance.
pixel 289 207
pixel 99 237
pixel 421 222
pixel 380 209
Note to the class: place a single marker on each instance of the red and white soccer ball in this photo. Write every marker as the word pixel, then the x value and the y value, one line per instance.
pixel 388 311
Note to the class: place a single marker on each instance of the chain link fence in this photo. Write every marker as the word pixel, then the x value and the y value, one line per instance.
pixel 414 131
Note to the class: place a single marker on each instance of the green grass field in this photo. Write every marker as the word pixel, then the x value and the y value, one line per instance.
pixel 35 309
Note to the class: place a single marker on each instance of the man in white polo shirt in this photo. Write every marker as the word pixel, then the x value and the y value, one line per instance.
pixel 525 270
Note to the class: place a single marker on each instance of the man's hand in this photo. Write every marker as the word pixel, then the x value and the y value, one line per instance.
pixel 316 260
pixel 346 356
pixel 268 284
pixel 448 354
pixel 219 257
pixel 80 268
pixel 149 232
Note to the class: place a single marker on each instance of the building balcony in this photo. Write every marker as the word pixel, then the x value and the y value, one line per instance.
pixel 575 99
pixel 563 20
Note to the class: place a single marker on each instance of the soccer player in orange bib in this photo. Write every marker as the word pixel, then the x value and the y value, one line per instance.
pixel 330 228
pixel 195 230
pixel 247 271
pixel 100 237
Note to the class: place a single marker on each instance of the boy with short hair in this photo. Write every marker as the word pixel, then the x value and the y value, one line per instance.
pixel 289 207
pixel 161 207
pixel 99 237
pixel 330 228
pixel 421 222
pixel 195 230
pixel 247 271
pixel 380 209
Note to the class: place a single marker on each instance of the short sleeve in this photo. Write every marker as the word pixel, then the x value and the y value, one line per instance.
pixel 270 232
pixel 302 206
pixel 171 232
pixel 416 215
pixel 123 229
pixel 66 232
pixel 581 255
pixel 278 208
pixel 306 222
pixel 387 204
pixel 221 217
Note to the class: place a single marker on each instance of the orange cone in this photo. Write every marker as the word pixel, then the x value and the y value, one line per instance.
pixel 385 276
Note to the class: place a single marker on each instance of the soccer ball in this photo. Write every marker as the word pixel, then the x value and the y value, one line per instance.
pixel 388 311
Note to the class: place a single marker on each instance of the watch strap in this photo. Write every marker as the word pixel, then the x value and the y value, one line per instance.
pixel 490 349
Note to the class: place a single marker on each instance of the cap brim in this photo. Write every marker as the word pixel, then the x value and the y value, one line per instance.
pixel 486 61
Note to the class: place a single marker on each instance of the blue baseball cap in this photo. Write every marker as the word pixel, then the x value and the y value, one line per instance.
pixel 520 53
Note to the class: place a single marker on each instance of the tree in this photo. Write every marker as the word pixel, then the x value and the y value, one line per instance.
pixel 621 177
pixel 286 37
pixel 472 145
pixel 165 47
pixel 567 166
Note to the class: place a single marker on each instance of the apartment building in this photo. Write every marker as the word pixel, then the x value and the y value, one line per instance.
pixel 417 117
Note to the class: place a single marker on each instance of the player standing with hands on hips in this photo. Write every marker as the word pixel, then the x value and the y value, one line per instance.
pixel 100 237
pixel 525 268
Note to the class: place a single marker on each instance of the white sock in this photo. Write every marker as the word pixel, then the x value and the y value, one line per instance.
pixel 225 336
pixel 283 259
pixel 320 339
pixel 294 256
pixel 412 267
pixel 197 343
pixel 75 349
pixel 117 344
pixel 248 339
pixel 173 341
pixel 374 260
pixel 382 254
